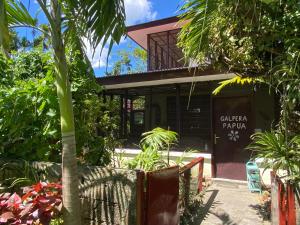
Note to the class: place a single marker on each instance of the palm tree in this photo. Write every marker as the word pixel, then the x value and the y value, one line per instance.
pixel 99 22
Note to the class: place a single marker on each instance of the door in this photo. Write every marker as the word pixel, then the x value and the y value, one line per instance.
pixel 232 129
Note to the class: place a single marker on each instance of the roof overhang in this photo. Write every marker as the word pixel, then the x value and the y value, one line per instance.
pixel 157 78
pixel 139 32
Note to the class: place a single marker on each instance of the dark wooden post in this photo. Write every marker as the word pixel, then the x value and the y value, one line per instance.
pixel 131 116
pixel 168 50
pixel 162 58
pixel 156 56
pixel 149 53
pixel 178 110
pixel 121 116
pixel 126 114
pixel 150 109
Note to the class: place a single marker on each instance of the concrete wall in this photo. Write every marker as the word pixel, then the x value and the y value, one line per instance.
pixel 128 154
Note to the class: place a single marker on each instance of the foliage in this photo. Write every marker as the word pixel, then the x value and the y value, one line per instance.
pixel 238 80
pixel 278 152
pixel 152 143
pixel 148 159
pixel 39 204
pixel 264 207
pixel 158 139
pixel 15 174
pixel 248 37
pixel 29 116
pixel 129 61
pixel 28 108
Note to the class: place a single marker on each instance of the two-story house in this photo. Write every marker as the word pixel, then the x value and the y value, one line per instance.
pixel 179 97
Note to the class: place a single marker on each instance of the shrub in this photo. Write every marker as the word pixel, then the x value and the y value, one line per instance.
pixel 39 204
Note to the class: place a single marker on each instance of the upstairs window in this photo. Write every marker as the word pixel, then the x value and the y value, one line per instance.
pixel 163 52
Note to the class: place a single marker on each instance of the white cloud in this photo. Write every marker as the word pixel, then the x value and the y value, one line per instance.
pixel 97 58
pixel 139 11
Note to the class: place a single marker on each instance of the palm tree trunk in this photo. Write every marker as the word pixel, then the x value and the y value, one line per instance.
pixel 4 32
pixel 71 211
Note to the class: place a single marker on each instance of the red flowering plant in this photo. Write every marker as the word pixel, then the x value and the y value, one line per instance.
pixel 39 204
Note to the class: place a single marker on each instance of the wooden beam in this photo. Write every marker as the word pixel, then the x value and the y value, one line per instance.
pixel 121 117
pixel 178 110
pixel 126 114
pixel 150 110
pixel 149 53
pixel 156 56
pixel 131 116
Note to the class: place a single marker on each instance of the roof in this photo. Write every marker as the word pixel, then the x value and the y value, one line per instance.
pixel 139 32
pixel 162 77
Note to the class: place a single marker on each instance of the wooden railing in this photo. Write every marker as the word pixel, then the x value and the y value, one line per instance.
pixel 186 173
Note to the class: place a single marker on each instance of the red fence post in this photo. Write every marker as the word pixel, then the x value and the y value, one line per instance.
pixel 291 207
pixel 200 175
pixel 281 202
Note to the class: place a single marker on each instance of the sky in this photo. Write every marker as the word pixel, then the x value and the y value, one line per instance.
pixel 137 11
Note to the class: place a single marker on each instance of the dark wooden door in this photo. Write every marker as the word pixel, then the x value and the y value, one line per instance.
pixel 233 125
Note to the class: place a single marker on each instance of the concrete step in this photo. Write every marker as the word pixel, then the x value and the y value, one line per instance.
pixel 239 184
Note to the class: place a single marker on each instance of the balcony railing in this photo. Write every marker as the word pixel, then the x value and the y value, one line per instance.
pixel 163 52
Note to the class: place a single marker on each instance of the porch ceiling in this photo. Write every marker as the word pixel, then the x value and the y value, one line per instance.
pixel 162 80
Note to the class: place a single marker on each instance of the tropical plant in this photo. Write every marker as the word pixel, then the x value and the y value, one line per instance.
pixel 152 144
pixel 237 80
pixel 148 160
pixel 278 153
pixel 40 204
pixel 79 22
pixel 16 174
pixel 248 37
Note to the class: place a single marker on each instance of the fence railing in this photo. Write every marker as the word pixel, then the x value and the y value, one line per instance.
pixel 186 172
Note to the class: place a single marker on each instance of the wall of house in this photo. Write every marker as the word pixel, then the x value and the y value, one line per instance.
pixel 263 112
pixel 263 105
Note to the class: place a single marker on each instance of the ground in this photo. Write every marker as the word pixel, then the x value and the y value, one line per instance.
pixel 228 204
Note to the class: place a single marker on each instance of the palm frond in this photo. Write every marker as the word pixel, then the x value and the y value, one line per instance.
pixel 158 139
pixel 18 15
pixel 100 22
pixel 237 80
pixel 193 37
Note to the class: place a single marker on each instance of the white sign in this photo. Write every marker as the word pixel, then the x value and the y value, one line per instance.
pixel 234 124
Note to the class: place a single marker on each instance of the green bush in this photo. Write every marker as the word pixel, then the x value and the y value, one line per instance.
pixel 29 112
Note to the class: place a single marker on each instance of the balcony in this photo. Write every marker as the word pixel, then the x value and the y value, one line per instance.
pixel 163 52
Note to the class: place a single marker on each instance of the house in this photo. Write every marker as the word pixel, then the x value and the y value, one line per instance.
pixel 179 97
